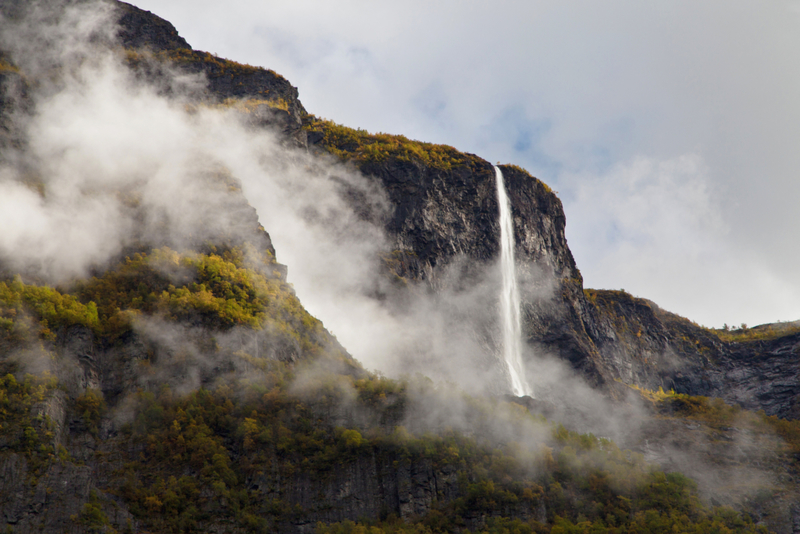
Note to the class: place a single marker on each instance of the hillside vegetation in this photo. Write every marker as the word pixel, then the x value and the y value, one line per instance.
pixel 191 460
pixel 363 147
pixel 187 390
pixel 242 452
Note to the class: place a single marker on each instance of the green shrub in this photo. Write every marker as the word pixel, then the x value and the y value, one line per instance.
pixel 53 309
pixel 91 406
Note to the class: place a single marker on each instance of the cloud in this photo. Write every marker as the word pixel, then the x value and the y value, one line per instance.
pixel 55 235
pixel 660 220
pixel 104 160
pixel 335 262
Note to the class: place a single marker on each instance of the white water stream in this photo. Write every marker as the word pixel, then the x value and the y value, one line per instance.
pixel 509 296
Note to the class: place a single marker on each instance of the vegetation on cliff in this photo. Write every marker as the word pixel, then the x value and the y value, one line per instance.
pixel 22 429
pixel 213 290
pixel 363 147
pixel 231 83
pixel 218 292
pixel 231 455
pixel 261 441
pixel 224 441
pixel 216 66
pixel 7 66
pixel 757 333
pixel 223 454
pixel 715 413
pixel 53 310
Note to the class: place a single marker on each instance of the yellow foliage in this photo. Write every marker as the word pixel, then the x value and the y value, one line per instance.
pixel 763 332
pixel 5 65
pixel 52 308
pixel 361 146
pixel 249 105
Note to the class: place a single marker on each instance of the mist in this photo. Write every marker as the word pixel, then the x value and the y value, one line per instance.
pixel 572 92
pixel 107 161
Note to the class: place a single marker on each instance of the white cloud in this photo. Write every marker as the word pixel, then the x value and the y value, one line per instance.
pixel 656 229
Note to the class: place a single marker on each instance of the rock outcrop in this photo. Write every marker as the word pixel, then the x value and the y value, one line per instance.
pixel 158 52
pixel 142 29
pixel 445 213
pixel 644 345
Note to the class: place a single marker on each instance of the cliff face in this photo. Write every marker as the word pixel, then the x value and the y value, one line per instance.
pixel 60 452
pixel 157 52
pixel 444 217
pixel 443 213
pixel 176 401
pixel 377 486
pixel 84 494
pixel 647 346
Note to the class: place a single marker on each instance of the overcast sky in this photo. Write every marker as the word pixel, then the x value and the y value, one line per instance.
pixel 670 129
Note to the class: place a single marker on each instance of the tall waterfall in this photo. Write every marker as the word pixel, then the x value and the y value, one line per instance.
pixel 509 296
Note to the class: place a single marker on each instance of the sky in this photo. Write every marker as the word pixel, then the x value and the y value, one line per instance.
pixel 670 130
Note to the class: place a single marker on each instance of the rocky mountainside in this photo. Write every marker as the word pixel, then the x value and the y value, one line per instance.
pixel 444 208
pixel 179 385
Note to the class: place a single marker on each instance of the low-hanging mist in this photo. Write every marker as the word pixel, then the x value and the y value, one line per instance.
pixel 104 148
pixel 109 163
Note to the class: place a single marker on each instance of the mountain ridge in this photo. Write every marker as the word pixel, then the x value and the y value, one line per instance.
pixel 243 414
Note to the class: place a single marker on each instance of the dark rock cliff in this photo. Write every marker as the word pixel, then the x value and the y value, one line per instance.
pixel 156 51
pixel 13 101
pixel 141 29
pixel 443 213
pixel 447 213
pixel 644 345
pixel 440 214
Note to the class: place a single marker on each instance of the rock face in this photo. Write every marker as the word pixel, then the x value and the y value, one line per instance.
pixel 375 487
pixel 160 51
pixel 758 375
pixel 644 345
pixel 142 29
pixel 54 502
pixel 13 100
pixel 441 216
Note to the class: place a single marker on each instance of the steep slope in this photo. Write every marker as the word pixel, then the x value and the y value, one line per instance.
pixel 153 45
pixel 650 347
pixel 190 300
pixel 444 212
pixel 182 386
pixel 444 207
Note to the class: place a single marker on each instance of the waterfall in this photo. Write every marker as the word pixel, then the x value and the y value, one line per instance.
pixel 509 296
